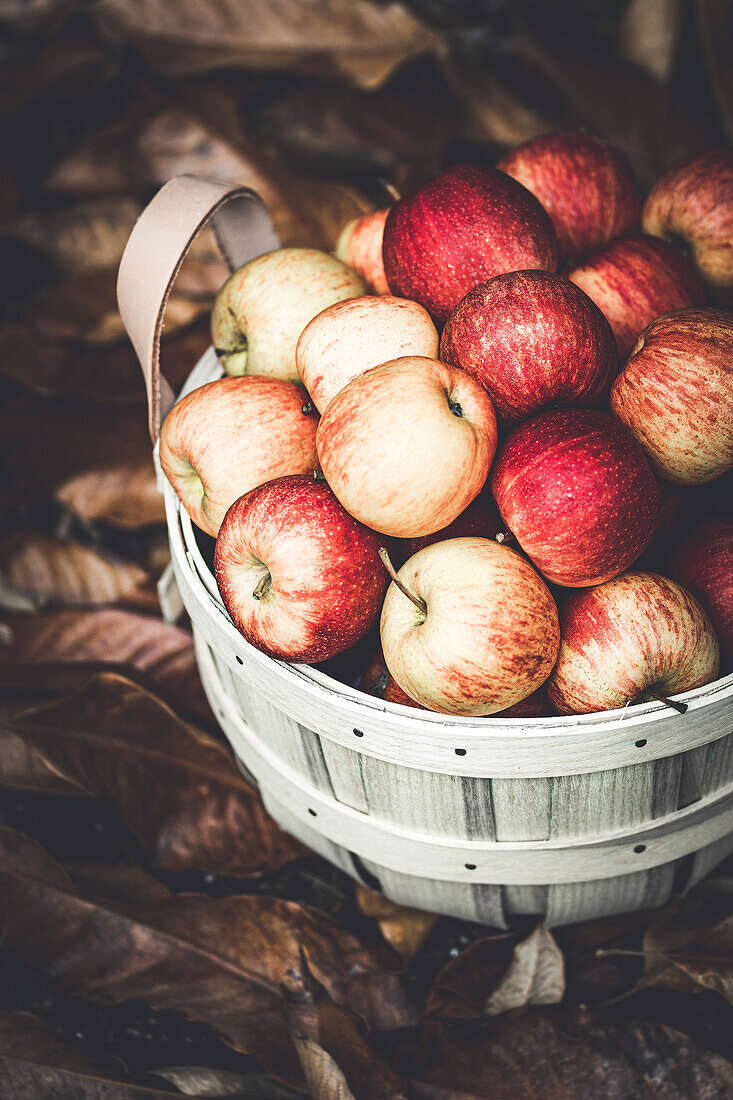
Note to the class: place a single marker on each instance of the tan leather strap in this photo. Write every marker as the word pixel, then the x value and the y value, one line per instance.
pixel 156 249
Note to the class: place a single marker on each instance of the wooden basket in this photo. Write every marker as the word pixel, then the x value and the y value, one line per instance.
pixel 486 819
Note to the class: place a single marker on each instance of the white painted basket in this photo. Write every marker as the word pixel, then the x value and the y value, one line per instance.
pixel 485 819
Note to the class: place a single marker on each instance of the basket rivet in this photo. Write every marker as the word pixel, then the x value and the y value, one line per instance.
pixel 470 866
pixel 238 659
pixel 312 812
pixel 358 733
pixel 460 752
pixel 640 848
pixel 640 744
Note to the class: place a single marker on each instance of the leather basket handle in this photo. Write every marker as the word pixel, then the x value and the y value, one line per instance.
pixel 158 244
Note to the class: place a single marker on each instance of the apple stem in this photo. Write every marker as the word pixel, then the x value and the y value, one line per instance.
pixel 504 536
pixel 263 586
pixel 390 188
pixel 418 602
pixel 681 708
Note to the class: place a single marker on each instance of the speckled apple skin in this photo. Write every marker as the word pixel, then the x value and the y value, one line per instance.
pixel 229 436
pixel 693 202
pixel 349 337
pixel 675 394
pixel 584 184
pixel 465 226
pixel 269 301
pixel 531 338
pixel 633 280
pixel 575 489
pixel 703 563
pixel 490 636
pixel 327 580
pixel 394 453
pixel 360 246
pixel 637 631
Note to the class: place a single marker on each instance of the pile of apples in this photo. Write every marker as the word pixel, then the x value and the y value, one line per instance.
pixel 436 430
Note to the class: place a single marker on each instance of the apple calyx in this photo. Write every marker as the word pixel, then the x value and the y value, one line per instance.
pixel 308 408
pixel 417 600
pixel 651 693
pixel 503 537
pixel 263 586
pixel 455 407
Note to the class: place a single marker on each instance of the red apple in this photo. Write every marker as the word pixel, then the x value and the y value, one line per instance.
pixel 467 225
pixel 692 205
pixel 676 394
pixel 350 337
pixel 301 579
pixel 408 445
pixel 532 339
pixel 634 636
pixel 703 563
pixel 229 436
pixel 480 518
pixel 478 633
pixel 584 184
pixel 635 279
pixel 377 680
pixel 360 246
pixel 575 489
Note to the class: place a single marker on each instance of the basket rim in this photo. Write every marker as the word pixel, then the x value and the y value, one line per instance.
pixel 208 369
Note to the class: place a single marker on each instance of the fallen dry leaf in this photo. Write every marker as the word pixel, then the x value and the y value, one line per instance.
pixel 60 573
pixel 178 790
pixel 219 961
pixel 89 236
pixel 201 1081
pixel 358 40
pixel 405 929
pixel 463 986
pixel 536 976
pixel 690 956
pixel 164 653
pixel 549 1054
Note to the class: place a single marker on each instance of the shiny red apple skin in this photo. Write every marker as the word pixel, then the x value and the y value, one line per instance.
pixel 637 631
pixel 532 339
pixel 360 246
pixel 327 581
pixel 407 445
pixel 230 435
pixel 692 204
pixel 480 518
pixel 675 394
pixel 576 491
pixel 584 184
pixel 632 280
pixel 465 226
pixel 703 563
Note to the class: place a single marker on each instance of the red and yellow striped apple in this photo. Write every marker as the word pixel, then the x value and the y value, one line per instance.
pixel 360 246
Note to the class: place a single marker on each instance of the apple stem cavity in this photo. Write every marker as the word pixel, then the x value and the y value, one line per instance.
pixel 681 708
pixel 455 407
pixel 504 536
pixel 418 602
pixel 263 586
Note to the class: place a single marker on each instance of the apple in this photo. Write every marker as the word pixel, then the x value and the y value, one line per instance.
pixel 576 491
pixel 300 578
pixel 637 637
pixel 467 225
pixel 264 306
pixel 469 627
pixel 675 394
pixel 408 445
pixel 633 280
pixel 692 205
pixel 584 184
pixel 703 563
pixel 228 436
pixel 349 337
pixel 532 339
pixel 360 246
pixel 479 518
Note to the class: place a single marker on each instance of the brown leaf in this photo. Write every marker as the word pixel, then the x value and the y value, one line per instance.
pixel 219 961
pixel 649 34
pixel 405 929
pixel 164 653
pixel 34 1062
pixel 690 955
pixel 553 1055
pixel 536 976
pixel 122 885
pixel 90 236
pixel 337 1060
pixel 358 40
pixel 716 38
pixel 463 986
pixel 178 790
pixel 53 572
pixel 202 1081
